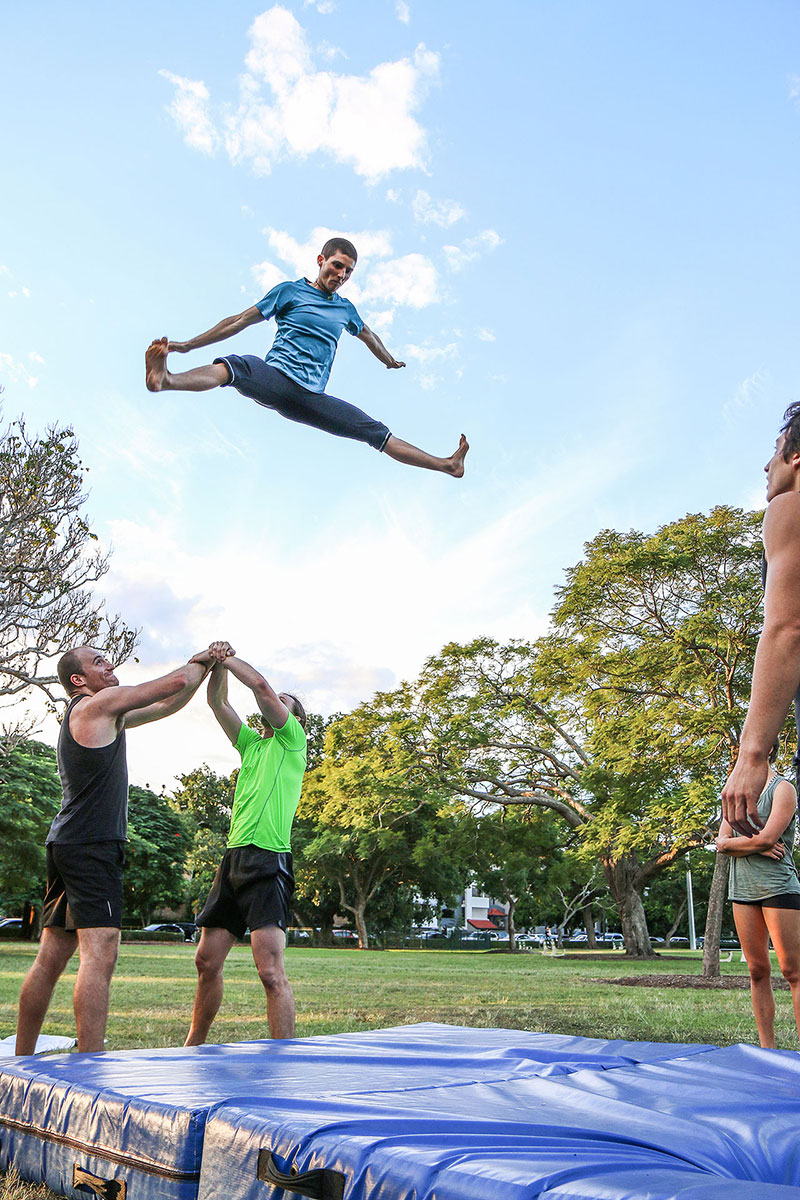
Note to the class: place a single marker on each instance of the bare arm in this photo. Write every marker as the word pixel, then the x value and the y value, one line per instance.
pixel 221 331
pixel 165 708
pixel 269 702
pixel 374 343
pixel 220 705
pixel 767 840
pixel 776 673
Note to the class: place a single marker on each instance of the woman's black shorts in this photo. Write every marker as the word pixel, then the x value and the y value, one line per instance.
pixel 268 386
pixel 782 900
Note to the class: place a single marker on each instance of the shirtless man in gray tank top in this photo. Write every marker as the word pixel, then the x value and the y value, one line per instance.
pixel 86 842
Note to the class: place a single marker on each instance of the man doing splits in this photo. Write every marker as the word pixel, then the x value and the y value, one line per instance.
pixel 254 883
pixel 86 842
pixel 310 318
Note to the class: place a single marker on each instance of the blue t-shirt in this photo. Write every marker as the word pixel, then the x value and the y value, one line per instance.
pixel 310 323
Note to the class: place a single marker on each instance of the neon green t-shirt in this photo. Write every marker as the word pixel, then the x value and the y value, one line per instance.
pixel 268 789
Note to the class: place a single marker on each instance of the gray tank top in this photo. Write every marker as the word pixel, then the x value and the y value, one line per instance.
pixel 756 877
pixel 94 782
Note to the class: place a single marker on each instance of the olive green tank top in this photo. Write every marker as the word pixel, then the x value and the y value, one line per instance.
pixel 754 876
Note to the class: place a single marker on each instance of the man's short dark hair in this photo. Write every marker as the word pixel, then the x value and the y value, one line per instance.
pixel 791 427
pixel 68 665
pixel 341 246
pixel 296 709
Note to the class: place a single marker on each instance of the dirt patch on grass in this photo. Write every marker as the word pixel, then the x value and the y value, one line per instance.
pixel 726 982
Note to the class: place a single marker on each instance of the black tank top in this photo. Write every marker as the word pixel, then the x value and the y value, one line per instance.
pixel 94 781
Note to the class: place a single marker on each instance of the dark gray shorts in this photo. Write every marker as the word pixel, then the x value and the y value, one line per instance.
pixel 268 386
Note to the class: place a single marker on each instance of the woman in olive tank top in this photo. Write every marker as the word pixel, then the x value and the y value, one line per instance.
pixel 764 886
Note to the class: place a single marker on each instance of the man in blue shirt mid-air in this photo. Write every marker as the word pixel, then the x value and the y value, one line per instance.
pixel 310 318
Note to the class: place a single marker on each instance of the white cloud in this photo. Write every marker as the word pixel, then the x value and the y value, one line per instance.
pixel 428 358
pixel 748 395
pixel 326 7
pixel 436 212
pixel 189 110
pixel 367 121
pixel 402 11
pixel 17 372
pixel 457 257
pixel 486 335
pixel 380 280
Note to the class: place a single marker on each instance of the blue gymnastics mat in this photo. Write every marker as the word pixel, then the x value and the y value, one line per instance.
pixel 421 1112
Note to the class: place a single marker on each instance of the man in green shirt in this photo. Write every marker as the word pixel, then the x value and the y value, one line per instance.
pixel 254 883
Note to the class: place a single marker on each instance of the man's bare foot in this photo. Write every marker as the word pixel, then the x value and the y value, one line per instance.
pixel 455 464
pixel 155 364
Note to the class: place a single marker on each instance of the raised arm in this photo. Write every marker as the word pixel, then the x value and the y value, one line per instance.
pixel 374 343
pixel 221 331
pixel 269 702
pixel 776 672
pixel 166 708
pixel 217 695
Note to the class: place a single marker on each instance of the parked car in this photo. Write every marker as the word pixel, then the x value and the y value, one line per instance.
pixel 10 927
pixel 166 927
pixel 346 935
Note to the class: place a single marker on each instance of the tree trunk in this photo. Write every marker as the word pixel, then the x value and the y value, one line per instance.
pixel 621 874
pixel 716 907
pixel 588 924
pixel 358 911
pixel 671 931
pixel 512 929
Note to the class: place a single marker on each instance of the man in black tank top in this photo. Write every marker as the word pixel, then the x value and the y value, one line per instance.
pixel 776 674
pixel 86 842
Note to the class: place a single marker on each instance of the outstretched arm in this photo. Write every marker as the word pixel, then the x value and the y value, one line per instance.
pixel 374 343
pixel 269 702
pixel 221 331
pixel 776 672
pixel 217 694
pixel 165 708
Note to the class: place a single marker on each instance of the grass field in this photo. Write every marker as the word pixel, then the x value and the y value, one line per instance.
pixel 342 990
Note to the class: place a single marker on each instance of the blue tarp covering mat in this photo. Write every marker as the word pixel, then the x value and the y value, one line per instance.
pixel 420 1112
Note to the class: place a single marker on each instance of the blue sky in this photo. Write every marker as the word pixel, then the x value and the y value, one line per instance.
pixel 577 223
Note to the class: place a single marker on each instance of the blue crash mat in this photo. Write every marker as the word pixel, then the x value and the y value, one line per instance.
pixel 440 1112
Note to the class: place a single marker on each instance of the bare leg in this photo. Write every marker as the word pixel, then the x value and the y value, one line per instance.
pixel 199 379
pixel 55 950
pixel 754 936
pixel 784 929
pixel 98 949
pixel 404 452
pixel 267 945
pixel 214 947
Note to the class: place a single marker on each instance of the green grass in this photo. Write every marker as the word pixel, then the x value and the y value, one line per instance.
pixel 344 990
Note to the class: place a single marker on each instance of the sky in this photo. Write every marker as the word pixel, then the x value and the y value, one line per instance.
pixel 576 222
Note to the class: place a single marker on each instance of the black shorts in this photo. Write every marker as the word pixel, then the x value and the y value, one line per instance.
pixel 265 384
pixel 84 886
pixel 782 900
pixel 252 888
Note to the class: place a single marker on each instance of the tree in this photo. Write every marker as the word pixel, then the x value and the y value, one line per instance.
pixel 625 719
pixel 205 801
pixel 375 817
pixel 48 565
pixel 30 796
pixel 158 845
pixel 513 855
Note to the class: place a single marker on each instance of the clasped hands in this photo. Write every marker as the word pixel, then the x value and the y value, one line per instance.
pixel 217 652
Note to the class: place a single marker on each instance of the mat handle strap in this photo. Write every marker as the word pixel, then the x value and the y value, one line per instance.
pixel 106 1189
pixel 320 1184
